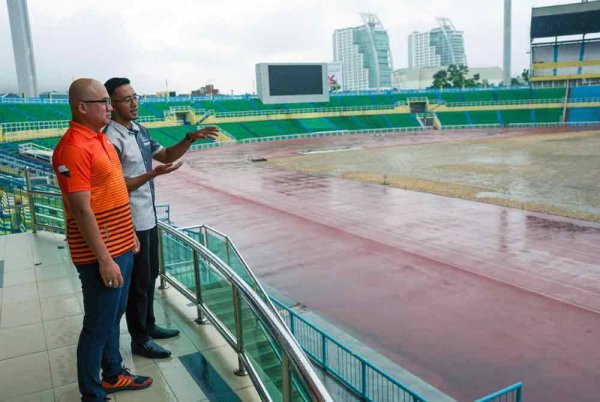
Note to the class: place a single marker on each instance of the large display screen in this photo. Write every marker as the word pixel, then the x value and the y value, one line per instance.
pixel 292 83
pixel 295 80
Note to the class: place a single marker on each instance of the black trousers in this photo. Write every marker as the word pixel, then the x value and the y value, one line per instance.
pixel 140 305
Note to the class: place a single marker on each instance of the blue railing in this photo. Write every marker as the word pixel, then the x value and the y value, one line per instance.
pixel 355 373
pixel 150 99
pixel 513 393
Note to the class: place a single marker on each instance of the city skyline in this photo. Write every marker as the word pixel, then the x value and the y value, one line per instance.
pixel 187 45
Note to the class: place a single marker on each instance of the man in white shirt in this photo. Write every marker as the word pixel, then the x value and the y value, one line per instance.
pixel 136 150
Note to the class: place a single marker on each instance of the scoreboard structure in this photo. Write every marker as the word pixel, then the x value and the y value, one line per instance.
pixel 292 82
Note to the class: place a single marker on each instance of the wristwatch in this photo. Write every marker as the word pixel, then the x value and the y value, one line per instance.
pixel 189 138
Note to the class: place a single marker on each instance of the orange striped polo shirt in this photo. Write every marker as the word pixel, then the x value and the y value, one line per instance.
pixel 85 160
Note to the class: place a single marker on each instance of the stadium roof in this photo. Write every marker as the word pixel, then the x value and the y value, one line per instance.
pixel 569 19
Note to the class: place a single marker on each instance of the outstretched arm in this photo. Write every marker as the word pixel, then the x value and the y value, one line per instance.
pixel 171 154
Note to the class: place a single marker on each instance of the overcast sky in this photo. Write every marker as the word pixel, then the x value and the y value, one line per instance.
pixel 186 44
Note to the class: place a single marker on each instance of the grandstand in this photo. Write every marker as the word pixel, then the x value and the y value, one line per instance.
pixel 557 58
pixel 244 117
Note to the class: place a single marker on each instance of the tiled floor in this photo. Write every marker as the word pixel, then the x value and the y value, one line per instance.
pixel 40 318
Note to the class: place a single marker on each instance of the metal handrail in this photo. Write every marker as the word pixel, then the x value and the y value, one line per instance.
pixel 30 199
pixel 515 390
pixel 555 124
pixel 320 357
pixel 231 245
pixel 21 164
pixel 418 99
pixel 316 134
pixel 268 318
pixel 470 126
pixel 334 109
pixel 34 125
pixel 507 102
pixel 13 126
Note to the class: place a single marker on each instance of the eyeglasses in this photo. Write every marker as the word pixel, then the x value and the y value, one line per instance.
pixel 106 101
pixel 129 99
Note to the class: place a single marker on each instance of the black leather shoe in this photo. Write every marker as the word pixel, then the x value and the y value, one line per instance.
pixel 150 349
pixel 163 333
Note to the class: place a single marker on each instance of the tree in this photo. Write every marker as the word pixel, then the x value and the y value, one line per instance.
pixel 474 82
pixel 522 79
pixel 455 76
pixel 525 75
pixel 440 80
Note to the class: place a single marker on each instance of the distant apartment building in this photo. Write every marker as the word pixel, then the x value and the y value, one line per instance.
pixel 364 54
pixel 438 47
pixel 207 90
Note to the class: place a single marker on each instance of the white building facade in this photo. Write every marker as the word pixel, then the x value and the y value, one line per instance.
pixel 420 51
pixel 422 78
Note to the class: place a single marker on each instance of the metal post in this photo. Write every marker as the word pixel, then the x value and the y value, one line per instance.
pixel 286 378
pixel 506 73
pixel 198 283
pixel 204 233
pixel 205 236
pixel 30 201
pixel 292 324
pixel 161 260
pixel 239 333
pixel 227 251
pixel 363 372
pixel 324 351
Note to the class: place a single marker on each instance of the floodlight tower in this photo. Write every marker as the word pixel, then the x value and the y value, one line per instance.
pixel 507 46
pixel 22 47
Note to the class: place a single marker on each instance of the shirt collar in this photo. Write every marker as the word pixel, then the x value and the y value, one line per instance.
pixel 83 130
pixel 122 129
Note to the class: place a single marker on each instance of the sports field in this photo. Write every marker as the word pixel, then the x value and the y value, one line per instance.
pixel 468 296
pixel 555 173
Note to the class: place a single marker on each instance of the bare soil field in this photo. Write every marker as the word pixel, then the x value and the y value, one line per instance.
pixel 554 173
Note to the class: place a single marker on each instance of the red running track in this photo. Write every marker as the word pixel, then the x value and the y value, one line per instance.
pixel 469 296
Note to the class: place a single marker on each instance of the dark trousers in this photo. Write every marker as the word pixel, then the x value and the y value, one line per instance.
pixel 140 310
pixel 98 346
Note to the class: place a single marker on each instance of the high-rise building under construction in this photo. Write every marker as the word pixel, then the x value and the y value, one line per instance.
pixel 438 47
pixel 364 53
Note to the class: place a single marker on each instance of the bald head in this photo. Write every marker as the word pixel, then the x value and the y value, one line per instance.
pixel 83 89
pixel 85 100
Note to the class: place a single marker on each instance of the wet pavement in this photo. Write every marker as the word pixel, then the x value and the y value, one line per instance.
pixel 469 296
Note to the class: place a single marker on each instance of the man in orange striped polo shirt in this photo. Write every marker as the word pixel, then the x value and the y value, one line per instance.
pixel 101 239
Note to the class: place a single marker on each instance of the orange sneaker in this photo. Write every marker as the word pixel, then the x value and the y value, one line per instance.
pixel 125 381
